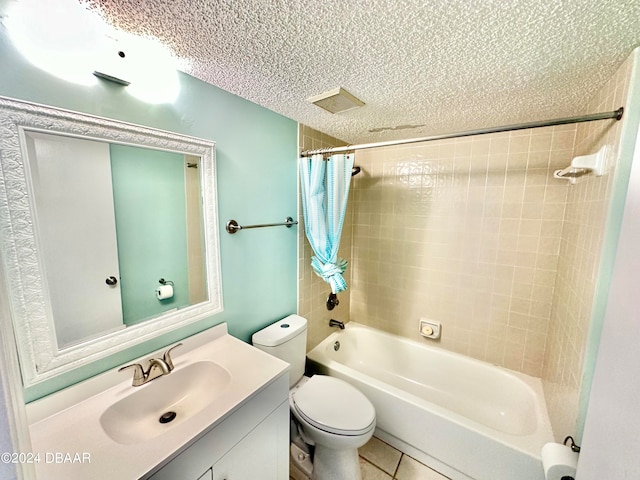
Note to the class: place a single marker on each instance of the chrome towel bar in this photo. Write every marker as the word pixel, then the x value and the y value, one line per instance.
pixel 233 227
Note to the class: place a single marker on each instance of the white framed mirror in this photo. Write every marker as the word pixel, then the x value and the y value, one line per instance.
pixel 110 234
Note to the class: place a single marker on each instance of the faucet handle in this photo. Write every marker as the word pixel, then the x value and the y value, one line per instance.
pixel 167 356
pixel 138 373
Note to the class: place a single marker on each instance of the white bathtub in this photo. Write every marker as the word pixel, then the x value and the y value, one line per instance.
pixel 463 417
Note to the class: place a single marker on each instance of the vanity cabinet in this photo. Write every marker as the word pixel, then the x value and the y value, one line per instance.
pixel 256 455
pixel 208 475
pixel 252 442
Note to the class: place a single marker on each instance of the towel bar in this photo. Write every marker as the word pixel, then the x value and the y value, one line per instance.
pixel 233 227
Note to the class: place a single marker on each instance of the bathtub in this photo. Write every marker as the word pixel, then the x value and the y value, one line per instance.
pixel 465 418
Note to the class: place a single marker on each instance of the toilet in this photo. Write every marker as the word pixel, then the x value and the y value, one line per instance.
pixel 328 414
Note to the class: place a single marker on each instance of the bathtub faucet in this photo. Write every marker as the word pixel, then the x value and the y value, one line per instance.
pixel 336 323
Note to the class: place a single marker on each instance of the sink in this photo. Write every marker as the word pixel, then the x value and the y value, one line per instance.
pixel 216 377
pixel 145 412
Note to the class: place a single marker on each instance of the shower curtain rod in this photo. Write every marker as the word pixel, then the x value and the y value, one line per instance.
pixel 617 114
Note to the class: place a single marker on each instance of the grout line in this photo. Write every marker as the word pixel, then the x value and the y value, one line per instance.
pixel 398 466
pixel 376 466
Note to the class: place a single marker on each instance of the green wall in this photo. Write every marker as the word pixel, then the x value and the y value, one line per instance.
pixel 151 215
pixel 256 151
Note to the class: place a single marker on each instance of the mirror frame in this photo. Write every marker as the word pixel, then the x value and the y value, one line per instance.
pixel 23 262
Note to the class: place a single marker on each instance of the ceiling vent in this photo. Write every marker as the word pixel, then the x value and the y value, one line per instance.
pixel 336 100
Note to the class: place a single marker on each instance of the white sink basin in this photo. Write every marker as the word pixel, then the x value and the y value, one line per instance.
pixel 118 424
pixel 184 392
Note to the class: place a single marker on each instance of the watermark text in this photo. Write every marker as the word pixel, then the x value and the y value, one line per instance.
pixel 46 457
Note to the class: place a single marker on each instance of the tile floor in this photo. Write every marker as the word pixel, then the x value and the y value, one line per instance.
pixel 380 461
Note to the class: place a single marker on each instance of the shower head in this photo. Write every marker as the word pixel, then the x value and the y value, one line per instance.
pixel 355 171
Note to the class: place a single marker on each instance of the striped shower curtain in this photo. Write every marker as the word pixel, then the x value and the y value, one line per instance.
pixel 325 189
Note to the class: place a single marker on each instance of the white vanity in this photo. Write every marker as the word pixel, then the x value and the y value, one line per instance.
pixel 231 422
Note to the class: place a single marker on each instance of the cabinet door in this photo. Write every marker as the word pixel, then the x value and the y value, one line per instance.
pixel 208 475
pixel 256 456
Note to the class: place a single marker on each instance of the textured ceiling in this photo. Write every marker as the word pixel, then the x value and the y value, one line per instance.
pixel 449 65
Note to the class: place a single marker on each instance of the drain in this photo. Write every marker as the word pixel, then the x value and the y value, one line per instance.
pixel 336 346
pixel 167 417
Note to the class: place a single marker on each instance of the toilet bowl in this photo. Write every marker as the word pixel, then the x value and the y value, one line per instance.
pixel 337 419
pixel 331 415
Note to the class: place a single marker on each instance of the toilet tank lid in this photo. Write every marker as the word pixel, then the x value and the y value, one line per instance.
pixel 280 332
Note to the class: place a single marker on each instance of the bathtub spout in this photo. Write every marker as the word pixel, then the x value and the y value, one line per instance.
pixel 336 323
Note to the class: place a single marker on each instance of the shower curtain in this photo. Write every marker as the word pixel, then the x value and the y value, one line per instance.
pixel 325 189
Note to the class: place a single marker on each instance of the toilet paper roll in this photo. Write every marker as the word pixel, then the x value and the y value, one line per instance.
pixel 164 291
pixel 559 461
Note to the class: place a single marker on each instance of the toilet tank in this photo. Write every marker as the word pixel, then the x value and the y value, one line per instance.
pixel 287 340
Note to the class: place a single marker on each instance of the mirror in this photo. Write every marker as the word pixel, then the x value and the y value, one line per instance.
pixel 112 234
pixel 113 223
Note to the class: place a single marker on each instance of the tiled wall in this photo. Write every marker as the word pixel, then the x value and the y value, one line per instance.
pixel 466 232
pixel 477 234
pixel 312 290
pixel 578 268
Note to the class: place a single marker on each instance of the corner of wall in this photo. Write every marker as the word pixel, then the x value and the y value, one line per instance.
pixel 626 150
pixel 589 237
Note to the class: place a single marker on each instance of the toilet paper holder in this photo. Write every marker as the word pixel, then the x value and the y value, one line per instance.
pixel 573 446
pixel 165 290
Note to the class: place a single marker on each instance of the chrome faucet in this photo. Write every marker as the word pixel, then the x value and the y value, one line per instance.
pixel 157 368
pixel 336 323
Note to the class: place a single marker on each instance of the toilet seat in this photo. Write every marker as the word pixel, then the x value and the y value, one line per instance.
pixel 334 406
